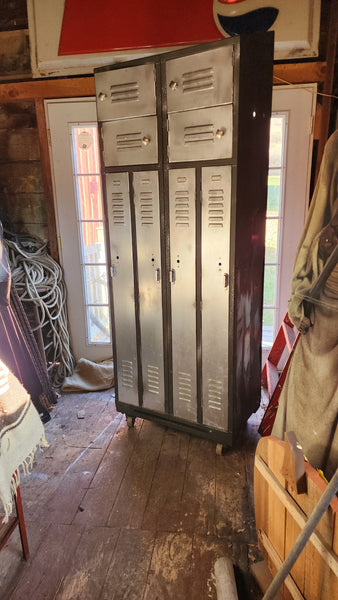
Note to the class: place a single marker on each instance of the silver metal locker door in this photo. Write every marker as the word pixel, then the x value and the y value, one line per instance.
pixel 146 197
pixel 130 141
pixel 123 286
pixel 183 291
pixel 200 80
pixel 216 195
pixel 202 134
pixel 125 92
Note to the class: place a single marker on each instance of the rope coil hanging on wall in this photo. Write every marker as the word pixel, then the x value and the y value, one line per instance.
pixel 38 279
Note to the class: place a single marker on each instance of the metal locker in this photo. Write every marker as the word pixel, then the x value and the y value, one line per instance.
pixel 130 141
pixel 128 92
pixel 121 260
pixel 215 246
pixel 182 194
pixel 191 133
pixel 147 217
pixel 200 81
pixel 203 134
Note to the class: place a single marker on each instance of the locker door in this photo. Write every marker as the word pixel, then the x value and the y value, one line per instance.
pixel 216 195
pixel 183 291
pixel 200 80
pixel 130 141
pixel 202 134
pixel 146 197
pixel 118 206
pixel 125 92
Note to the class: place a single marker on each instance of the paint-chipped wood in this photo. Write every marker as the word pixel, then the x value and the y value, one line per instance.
pixel 14 54
pixel 97 491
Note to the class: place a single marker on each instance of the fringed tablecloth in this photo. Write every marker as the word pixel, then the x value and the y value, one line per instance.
pixel 21 433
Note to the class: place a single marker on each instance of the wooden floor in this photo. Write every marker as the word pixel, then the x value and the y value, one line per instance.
pixel 136 514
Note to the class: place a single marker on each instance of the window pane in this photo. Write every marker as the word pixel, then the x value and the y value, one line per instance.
pixel 96 285
pixel 271 239
pixel 86 150
pixel 268 325
pixel 93 243
pixel 276 141
pixel 269 285
pixel 98 324
pixel 274 193
pixel 89 197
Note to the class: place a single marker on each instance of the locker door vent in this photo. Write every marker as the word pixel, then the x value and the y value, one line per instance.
pixel 127 373
pixel 129 141
pixel 118 209
pixel 184 387
pixel 124 92
pixel 146 208
pixel 215 389
pixel 182 208
pixel 196 81
pixel 197 134
pixel 216 208
pixel 153 379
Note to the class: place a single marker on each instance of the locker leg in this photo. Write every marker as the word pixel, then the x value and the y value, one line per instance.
pixel 219 449
pixel 130 421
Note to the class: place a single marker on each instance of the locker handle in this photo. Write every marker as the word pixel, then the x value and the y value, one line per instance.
pixel 220 133
pixel 173 85
pixel 158 274
pixel 145 141
pixel 172 275
pixel 102 96
pixel 226 280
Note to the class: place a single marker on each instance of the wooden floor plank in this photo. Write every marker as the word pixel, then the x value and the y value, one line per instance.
pixel 170 569
pixel 198 496
pixel 45 572
pixel 163 510
pixel 99 499
pixel 127 575
pixel 129 506
pixel 89 565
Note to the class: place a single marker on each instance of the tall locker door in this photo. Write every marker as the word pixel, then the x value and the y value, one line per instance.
pixel 215 246
pixel 183 291
pixel 146 198
pixel 119 221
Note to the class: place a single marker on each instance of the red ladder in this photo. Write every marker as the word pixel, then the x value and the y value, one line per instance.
pixel 275 370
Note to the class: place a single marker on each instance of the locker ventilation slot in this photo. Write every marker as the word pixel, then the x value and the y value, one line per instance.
pixel 196 81
pixel 146 208
pixel 196 134
pixel 184 387
pixel 127 373
pixel 118 210
pixel 129 141
pixel 182 208
pixel 216 208
pixel 215 389
pixel 153 379
pixel 124 92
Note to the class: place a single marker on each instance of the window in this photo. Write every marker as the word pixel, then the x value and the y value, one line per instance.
pixel 89 207
pixel 274 222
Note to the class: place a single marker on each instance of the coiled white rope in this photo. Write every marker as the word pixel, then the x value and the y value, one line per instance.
pixel 38 278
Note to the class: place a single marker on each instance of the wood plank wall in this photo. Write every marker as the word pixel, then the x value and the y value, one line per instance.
pixel 25 178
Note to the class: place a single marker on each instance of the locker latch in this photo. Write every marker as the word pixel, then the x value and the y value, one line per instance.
pixel 172 276
pixel 226 280
pixel 158 274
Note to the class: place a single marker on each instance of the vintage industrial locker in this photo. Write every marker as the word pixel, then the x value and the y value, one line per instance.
pixel 185 142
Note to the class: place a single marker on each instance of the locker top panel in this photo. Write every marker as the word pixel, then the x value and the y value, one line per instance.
pixel 200 81
pixel 126 92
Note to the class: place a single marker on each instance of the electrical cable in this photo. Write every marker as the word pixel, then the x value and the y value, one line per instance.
pixel 38 278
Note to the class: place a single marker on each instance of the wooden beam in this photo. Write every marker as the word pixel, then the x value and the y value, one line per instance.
pixel 72 87
pixel 328 81
pixel 47 178
pixel 47 88
pixel 309 72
